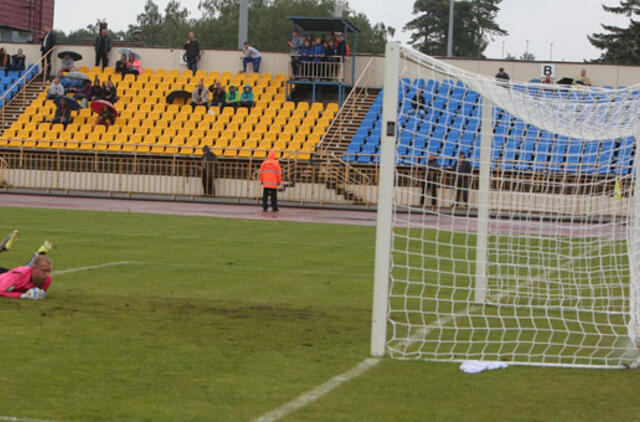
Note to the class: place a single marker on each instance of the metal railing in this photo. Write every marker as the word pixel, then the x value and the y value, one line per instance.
pixel 22 81
pixel 329 69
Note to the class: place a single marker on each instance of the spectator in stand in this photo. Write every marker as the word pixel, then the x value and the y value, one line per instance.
pixel 69 84
pixel 305 59
pixel 502 76
pixel 418 102
pixel 63 113
pixel 97 93
pixel 295 45
pixel 232 98
pixel 105 117
pixel 83 95
pixel 200 96
pixel 341 45
pixel 329 53
pixel 102 47
pixel 192 47
pixel 110 91
pixel 463 179
pixel 133 65
pixel 55 89
pixel 4 59
pixel 547 79
pixel 67 64
pixel 583 79
pixel 317 53
pixel 219 97
pixel 121 65
pixel 246 98
pixel 48 42
pixel 18 61
pixel 250 55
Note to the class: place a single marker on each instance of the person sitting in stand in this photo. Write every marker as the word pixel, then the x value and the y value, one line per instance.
pixel 200 96
pixel 4 59
pixel 583 79
pixel 63 113
pixel 121 65
pixel 97 93
pixel 67 64
pixel 105 117
pixel 219 97
pixel 547 79
pixel 250 55
pixel 18 61
pixel 418 102
pixel 232 98
pixel 110 92
pixel 246 99
pixel 133 65
pixel 502 76
pixel 84 94
pixel 55 89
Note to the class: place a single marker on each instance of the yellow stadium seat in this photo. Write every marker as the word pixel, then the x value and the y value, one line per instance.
pixel 230 152
pixel 332 107
pixel 244 153
pixel 280 77
pixel 258 153
pixel 157 149
pixel 178 140
pixel 171 150
pixel 317 107
pixel 265 144
pixel 304 129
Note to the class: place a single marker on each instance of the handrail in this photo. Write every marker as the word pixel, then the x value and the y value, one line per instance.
pixel 345 104
pixel 25 78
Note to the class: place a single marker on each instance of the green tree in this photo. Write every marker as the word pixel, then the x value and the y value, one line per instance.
pixel 474 26
pixel 620 45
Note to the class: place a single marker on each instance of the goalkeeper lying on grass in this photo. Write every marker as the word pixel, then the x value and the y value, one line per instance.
pixel 31 281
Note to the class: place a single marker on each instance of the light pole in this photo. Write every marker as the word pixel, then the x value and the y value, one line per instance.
pixel 526 51
pixel 243 23
pixel 503 49
pixel 450 37
pixel 551 52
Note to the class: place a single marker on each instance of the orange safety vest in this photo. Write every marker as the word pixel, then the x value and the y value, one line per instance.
pixel 270 172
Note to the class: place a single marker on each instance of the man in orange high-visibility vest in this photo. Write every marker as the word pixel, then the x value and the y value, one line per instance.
pixel 271 177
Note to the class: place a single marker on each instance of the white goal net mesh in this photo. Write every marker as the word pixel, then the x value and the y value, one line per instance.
pixel 530 257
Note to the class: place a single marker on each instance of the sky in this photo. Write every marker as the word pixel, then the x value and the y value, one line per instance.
pixel 553 29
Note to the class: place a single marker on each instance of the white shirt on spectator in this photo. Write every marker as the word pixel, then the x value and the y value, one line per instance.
pixel 250 52
pixel 56 89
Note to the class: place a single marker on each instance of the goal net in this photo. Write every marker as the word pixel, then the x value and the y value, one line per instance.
pixel 508 222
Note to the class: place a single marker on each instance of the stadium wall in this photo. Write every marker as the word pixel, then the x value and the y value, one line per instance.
pixel 229 61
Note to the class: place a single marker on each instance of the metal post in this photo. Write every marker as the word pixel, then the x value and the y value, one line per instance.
pixel 484 187
pixel 243 23
pixel 450 36
pixel 385 199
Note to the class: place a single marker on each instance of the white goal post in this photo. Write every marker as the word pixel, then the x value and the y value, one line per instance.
pixel 508 224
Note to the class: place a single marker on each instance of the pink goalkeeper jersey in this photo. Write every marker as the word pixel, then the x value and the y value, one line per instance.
pixel 18 281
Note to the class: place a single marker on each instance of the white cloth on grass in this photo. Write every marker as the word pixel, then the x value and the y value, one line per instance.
pixel 477 366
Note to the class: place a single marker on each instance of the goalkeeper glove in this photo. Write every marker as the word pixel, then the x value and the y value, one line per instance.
pixel 34 293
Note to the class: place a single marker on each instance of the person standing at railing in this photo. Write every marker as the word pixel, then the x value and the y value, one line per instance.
pixel 4 59
pixel 305 59
pixel 48 42
pixel 317 52
pixel 270 177
pixel 102 47
pixel 295 45
pixel 329 53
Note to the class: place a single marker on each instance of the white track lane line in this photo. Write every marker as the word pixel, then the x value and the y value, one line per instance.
pixel 16 419
pixel 318 392
pixel 94 267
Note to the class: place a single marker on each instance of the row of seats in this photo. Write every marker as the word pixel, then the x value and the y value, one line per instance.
pixel 450 124
pixel 147 124
pixel 8 79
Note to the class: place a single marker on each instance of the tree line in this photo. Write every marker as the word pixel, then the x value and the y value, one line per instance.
pixel 269 30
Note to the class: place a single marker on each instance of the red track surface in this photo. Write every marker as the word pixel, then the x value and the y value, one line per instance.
pixel 308 215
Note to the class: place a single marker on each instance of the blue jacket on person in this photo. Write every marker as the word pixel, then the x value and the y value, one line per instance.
pixel 246 96
pixel 305 53
pixel 317 51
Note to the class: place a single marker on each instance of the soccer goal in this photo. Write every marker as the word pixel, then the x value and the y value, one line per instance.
pixel 508 221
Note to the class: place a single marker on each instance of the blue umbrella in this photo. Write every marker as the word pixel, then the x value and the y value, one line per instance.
pixel 130 52
pixel 71 103
pixel 77 75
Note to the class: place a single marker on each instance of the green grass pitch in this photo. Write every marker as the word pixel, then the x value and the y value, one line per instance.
pixel 225 320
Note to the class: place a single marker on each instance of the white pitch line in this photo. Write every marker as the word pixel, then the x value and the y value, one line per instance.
pixel 318 392
pixel 15 419
pixel 93 267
